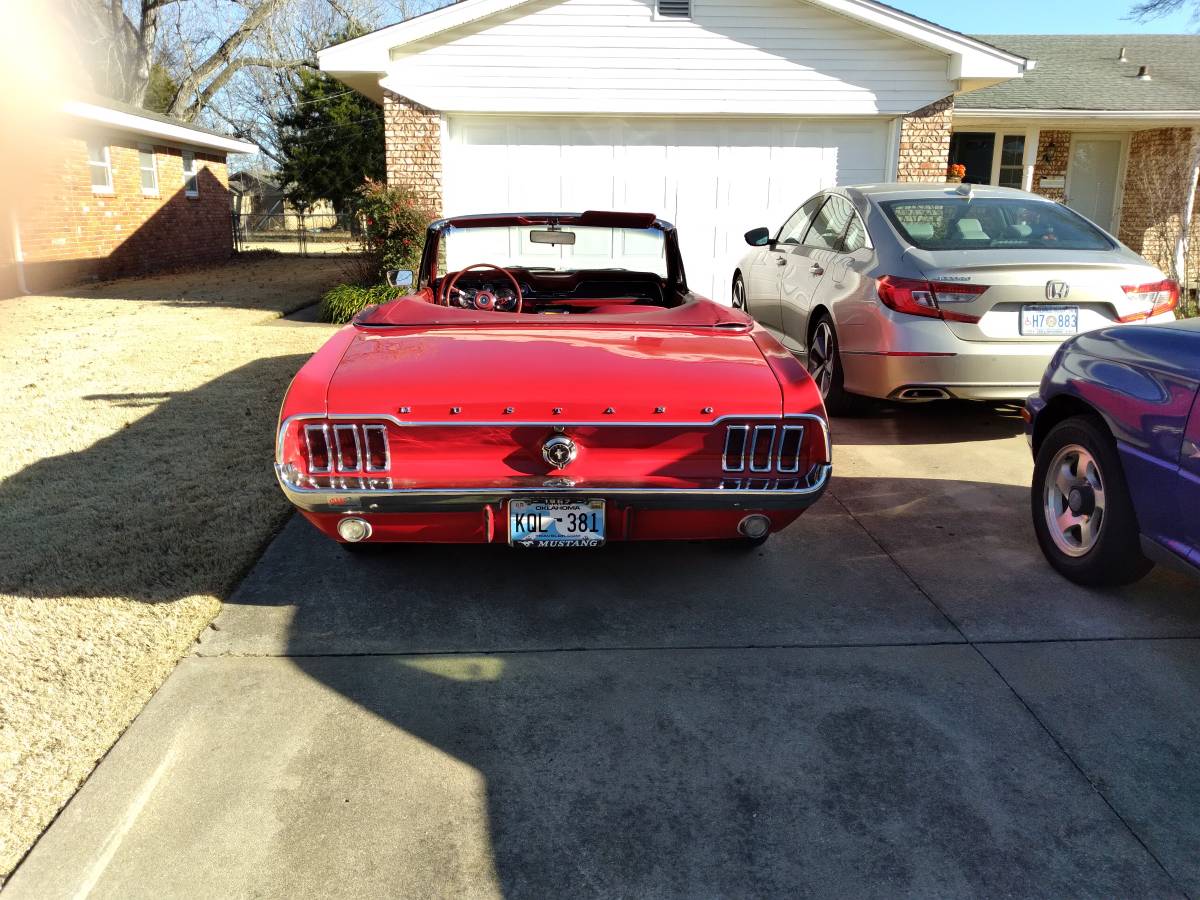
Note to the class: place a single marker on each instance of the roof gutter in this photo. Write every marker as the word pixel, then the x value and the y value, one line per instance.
pixel 181 133
pixel 979 113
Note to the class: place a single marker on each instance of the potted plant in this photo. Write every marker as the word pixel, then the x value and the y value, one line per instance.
pixel 955 173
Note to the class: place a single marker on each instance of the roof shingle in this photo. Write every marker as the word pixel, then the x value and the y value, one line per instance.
pixel 1081 71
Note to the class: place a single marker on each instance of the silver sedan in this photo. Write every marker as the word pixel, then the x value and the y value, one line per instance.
pixel 920 292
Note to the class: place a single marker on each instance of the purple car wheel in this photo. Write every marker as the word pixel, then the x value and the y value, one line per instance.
pixel 1082 513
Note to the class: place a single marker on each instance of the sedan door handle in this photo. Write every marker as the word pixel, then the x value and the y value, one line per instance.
pixel 816 269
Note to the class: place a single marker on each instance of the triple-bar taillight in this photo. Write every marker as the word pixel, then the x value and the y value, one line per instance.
pixel 763 448
pixel 346 448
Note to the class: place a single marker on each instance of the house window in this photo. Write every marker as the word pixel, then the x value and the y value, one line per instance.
pixel 990 157
pixel 1012 161
pixel 191 183
pixel 149 171
pixel 673 9
pixel 100 166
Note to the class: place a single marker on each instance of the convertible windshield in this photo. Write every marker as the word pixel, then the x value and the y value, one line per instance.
pixel 568 248
pixel 992 223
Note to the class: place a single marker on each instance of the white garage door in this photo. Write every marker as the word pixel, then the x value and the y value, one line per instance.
pixel 715 179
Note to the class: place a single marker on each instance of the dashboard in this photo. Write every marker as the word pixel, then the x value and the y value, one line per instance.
pixel 547 291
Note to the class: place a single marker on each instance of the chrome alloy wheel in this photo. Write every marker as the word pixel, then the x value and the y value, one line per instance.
pixel 739 294
pixel 1073 500
pixel 822 357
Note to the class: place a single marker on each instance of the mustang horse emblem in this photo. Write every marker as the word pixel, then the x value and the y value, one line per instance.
pixel 559 451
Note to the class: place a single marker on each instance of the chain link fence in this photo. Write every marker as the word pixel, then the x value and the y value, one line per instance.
pixel 306 234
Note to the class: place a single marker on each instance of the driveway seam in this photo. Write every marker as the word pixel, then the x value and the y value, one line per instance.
pixel 643 648
pixel 1029 709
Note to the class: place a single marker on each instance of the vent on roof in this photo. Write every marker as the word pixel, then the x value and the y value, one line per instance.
pixel 675 9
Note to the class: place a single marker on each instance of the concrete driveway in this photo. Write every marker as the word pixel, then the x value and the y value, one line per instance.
pixel 895 697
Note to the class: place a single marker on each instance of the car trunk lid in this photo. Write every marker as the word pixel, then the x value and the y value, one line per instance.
pixel 1088 282
pixel 544 374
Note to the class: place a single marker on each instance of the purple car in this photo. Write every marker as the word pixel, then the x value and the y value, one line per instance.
pixel 1115 432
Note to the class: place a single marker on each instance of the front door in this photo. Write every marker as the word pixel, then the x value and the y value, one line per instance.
pixel 1092 178
pixel 806 265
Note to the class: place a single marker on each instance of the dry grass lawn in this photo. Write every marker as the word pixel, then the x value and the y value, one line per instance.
pixel 135 488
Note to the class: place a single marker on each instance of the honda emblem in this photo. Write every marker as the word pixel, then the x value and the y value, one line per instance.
pixel 1057 290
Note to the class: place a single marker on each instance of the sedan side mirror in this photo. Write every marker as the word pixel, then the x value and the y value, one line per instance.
pixel 400 278
pixel 758 237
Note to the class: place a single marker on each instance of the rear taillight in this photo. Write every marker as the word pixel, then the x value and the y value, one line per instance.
pixel 346 448
pixel 316 442
pixel 763 448
pixel 378 456
pixel 1158 297
pixel 927 298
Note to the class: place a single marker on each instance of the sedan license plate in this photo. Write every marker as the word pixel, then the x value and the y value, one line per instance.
pixel 1049 320
pixel 556 523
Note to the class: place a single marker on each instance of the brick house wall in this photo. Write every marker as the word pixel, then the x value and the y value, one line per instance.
pixel 925 142
pixel 72 233
pixel 412 136
pixel 1053 154
pixel 1160 162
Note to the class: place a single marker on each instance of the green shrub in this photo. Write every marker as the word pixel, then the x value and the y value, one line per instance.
pixel 394 224
pixel 342 303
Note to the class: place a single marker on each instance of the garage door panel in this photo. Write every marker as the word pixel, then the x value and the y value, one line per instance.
pixel 714 178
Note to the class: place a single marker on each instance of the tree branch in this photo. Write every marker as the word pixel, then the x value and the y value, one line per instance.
pixel 189 94
pixel 202 98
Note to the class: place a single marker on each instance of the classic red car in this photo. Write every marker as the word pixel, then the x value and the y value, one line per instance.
pixel 569 391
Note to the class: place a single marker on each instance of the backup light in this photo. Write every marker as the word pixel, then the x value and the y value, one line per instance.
pixel 1158 297
pixel 354 530
pixel 927 298
pixel 754 526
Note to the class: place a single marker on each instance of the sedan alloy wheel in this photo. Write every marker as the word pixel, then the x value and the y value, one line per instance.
pixel 822 357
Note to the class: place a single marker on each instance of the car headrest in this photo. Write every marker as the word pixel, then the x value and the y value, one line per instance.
pixel 922 231
pixel 970 230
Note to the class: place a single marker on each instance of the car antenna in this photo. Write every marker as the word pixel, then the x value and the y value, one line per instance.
pixel 965 189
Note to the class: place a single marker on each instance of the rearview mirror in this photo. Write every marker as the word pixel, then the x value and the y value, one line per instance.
pixel 400 278
pixel 758 237
pixel 552 236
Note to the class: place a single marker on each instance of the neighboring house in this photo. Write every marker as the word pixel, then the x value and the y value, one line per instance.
pixel 254 194
pixel 129 191
pixel 263 205
pixel 719 115
pixel 1108 124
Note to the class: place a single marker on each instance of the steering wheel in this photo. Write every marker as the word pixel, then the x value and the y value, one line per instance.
pixel 449 285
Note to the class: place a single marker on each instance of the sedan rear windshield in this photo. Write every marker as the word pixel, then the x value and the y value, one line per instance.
pixel 992 223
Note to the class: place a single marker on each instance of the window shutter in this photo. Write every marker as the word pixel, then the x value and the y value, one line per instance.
pixel 675 9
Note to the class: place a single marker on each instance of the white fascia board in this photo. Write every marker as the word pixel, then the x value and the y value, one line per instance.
pixel 1190 115
pixel 461 100
pixel 970 58
pixel 177 134
pixel 372 52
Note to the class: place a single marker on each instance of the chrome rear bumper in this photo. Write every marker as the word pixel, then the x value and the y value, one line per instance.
pixel 726 493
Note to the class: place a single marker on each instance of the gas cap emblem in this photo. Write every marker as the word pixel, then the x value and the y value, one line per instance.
pixel 1057 290
pixel 559 451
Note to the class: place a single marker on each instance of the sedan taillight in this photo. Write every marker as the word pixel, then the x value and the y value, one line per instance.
pixel 927 298
pixel 1158 297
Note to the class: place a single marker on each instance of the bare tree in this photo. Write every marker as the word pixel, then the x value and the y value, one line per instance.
pixel 207 46
pixel 1160 207
pixel 1152 9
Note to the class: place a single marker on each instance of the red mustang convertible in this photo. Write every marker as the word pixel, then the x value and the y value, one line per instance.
pixel 566 391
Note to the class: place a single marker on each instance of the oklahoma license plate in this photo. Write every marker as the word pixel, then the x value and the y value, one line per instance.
pixel 1049 320
pixel 556 523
